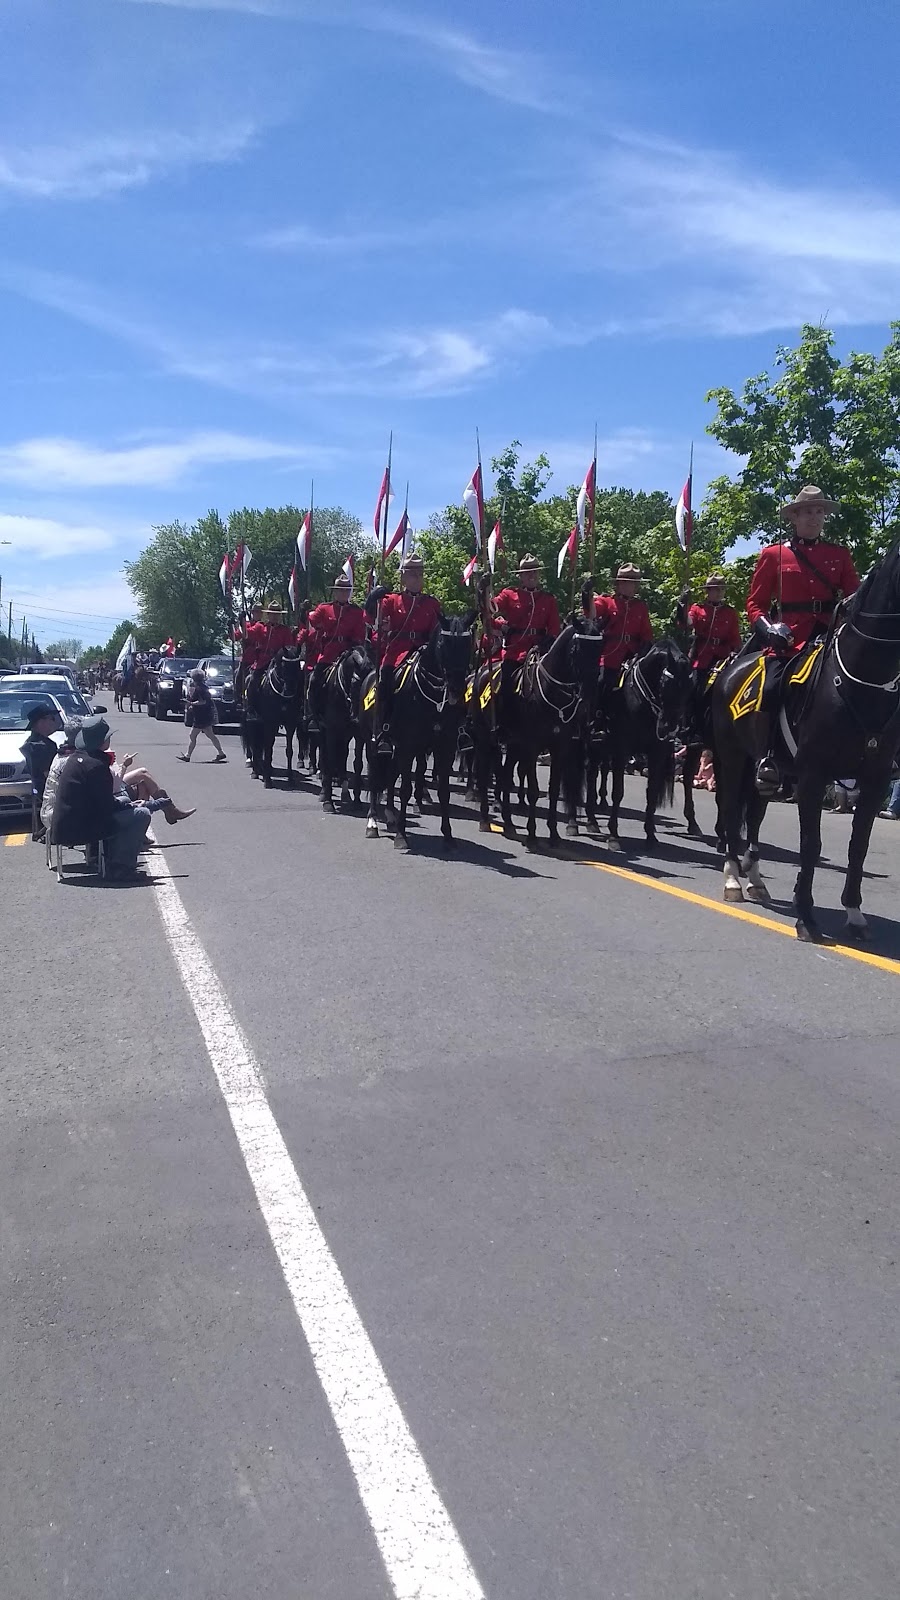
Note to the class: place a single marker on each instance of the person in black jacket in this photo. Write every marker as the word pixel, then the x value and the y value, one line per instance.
pixel 86 808
pixel 39 751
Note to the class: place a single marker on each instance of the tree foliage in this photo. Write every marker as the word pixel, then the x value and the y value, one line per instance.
pixel 822 421
pixel 63 650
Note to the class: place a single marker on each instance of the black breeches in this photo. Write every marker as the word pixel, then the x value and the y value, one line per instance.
pixel 384 699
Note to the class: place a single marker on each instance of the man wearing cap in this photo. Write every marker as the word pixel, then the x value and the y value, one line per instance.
pixel 627 629
pixel 715 629
pixel 338 625
pixel 528 616
pixel 86 808
pixel 39 751
pixel 804 579
pixel 407 621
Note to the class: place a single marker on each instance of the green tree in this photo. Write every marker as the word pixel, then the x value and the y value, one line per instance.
pixel 823 421
pixel 63 650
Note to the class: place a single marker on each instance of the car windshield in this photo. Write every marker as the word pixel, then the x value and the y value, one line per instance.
pixel 14 707
pixel 72 702
pixel 219 668
pixel 177 666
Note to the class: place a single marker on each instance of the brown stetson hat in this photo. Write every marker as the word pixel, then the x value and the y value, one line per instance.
pixel 716 580
pixel 629 573
pixel 809 496
pixel 530 564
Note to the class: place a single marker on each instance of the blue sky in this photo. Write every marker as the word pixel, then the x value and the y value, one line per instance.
pixel 240 240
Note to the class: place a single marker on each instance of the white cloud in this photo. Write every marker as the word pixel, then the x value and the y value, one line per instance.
pixel 47 538
pixel 84 170
pixel 50 463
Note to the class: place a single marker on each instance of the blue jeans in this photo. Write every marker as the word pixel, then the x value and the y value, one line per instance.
pixel 130 831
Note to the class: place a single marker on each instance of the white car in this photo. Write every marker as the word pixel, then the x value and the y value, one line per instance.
pixel 15 784
pixel 57 686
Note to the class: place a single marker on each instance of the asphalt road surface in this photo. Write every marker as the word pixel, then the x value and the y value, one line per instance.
pixel 372 1225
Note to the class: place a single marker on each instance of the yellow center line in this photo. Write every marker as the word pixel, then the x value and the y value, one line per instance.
pixel 885 963
pixel 15 838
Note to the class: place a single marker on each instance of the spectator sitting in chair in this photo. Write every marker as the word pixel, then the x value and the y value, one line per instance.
pixel 87 810
pixel 39 751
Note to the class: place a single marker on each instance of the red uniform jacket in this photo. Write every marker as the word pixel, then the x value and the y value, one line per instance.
pixel 528 613
pixel 626 626
pixel 407 621
pixel 252 643
pixel 806 600
pixel 338 627
pixel 717 633
pixel 277 636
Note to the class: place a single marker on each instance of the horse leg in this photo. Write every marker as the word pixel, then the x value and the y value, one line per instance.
pixel 616 774
pixel 692 758
pixel 443 767
pixel 553 787
pixel 341 766
pixel 592 766
pixel 603 800
pixel 810 798
pixel 359 746
pixel 506 776
pixel 532 797
pixel 289 752
pixel 871 791
pixel 406 786
pixel 481 770
pixel 268 744
pixel 373 761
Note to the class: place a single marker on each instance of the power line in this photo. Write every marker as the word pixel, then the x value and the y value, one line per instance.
pixel 95 616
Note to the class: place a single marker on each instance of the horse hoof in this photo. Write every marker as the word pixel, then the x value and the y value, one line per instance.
pixel 694 830
pixel 509 832
pixel 470 795
pixel 267 783
pixel 401 842
pixel 720 847
pixel 733 892
pixel 808 933
pixel 450 845
pixel 484 827
pixel 371 830
pixel 759 894
pixel 613 842
pixel 857 931
pixel 329 807
pixel 571 830
pixel 650 841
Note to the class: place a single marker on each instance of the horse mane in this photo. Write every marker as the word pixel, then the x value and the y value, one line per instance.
pixel 886 568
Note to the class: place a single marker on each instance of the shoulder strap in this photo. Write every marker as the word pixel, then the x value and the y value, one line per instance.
pixel 836 594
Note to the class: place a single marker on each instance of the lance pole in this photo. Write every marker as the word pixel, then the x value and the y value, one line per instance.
pixel 593 511
pixel 308 562
pixel 689 526
pixel 385 510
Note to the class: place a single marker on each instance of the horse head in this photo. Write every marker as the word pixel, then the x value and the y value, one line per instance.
pixel 666 674
pixel 288 666
pixel 585 647
pixel 876 603
pixel 451 648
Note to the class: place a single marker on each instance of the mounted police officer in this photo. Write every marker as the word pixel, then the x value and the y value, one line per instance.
pixel 804 580
pixel 336 625
pixel 528 615
pixel 407 621
pixel 715 629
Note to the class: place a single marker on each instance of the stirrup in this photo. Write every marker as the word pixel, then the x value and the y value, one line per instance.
pixel 768 778
pixel 384 744
pixel 464 741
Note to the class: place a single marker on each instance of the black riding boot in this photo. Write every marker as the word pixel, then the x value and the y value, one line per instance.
pixel 316 698
pixel 384 704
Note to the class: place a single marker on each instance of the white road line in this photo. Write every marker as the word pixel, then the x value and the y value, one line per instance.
pixel 420 1547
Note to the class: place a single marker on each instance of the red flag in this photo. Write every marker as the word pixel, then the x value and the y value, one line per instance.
pixel 468 570
pixel 225 576
pixel 347 568
pixel 473 500
pixel 400 533
pixel 586 499
pixel 304 540
pixel 370 581
pixel 684 517
pixel 494 544
pixel 292 588
pixel 384 494
pixel 570 549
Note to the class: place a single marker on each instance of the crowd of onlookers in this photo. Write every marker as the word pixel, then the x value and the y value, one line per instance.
pixel 81 794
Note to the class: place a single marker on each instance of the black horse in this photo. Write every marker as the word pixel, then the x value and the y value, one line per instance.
pixel 547 710
pixel 340 700
pixel 643 717
pixel 428 710
pixel 838 716
pixel 274 703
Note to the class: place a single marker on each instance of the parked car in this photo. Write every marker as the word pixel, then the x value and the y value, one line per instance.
pixel 167 686
pixel 44 669
pixel 15 784
pixel 220 677
pixel 61 689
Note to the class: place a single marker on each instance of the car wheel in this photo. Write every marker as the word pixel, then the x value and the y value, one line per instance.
pixel 161 712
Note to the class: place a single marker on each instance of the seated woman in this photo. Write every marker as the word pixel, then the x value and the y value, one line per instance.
pixel 39 751
pixel 87 809
pixel 135 783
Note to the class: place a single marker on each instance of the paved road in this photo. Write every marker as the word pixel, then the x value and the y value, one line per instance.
pixel 610 1177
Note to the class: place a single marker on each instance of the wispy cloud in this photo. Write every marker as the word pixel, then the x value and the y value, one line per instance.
pixel 92 168
pixel 52 464
pixel 46 538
